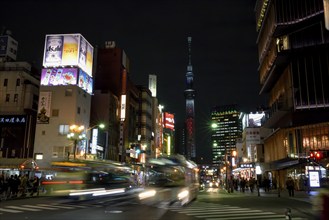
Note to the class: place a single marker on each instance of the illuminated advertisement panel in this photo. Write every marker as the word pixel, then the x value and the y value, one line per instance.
pixel 314 178
pixel 85 82
pixel 68 50
pixel 12 119
pixel 59 76
pixel 169 121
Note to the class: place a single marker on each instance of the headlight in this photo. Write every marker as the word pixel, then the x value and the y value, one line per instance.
pixel 146 194
pixel 182 194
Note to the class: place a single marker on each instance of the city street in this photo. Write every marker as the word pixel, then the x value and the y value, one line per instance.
pixel 211 204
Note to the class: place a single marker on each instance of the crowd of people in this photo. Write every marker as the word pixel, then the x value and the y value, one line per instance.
pixel 243 184
pixel 18 186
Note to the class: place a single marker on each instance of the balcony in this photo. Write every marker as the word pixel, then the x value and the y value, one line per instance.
pixel 273 66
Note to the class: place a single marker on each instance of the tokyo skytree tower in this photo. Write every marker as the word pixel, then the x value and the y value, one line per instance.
pixel 189 94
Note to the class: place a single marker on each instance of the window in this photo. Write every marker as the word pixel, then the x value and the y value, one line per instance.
pixel 16 98
pixel 18 82
pixel 5 82
pixel 64 129
pixel 68 92
pixel 55 113
pixel 7 97
pixel 79 110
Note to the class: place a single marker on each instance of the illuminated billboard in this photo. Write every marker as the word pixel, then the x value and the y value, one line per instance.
pixel 68 50
pixel 67 76
pixel 252 119
pixel 169 120
pixel 85 82
pixel 59 76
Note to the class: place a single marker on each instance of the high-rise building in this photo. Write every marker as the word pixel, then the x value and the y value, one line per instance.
pixel 190 114
pixel 226 129
pixel 293 48
pixel 112 92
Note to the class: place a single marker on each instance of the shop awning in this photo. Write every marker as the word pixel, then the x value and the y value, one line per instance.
pixel 285 163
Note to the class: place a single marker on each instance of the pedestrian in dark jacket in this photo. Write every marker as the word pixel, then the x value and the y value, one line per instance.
pixel 290 184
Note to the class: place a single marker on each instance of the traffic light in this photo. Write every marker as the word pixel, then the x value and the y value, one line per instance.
pixel 316 155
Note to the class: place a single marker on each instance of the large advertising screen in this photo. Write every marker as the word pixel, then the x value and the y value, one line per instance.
pixel 59 76
pixel 68 50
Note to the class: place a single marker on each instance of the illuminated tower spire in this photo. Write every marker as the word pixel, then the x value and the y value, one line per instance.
pixel 189 94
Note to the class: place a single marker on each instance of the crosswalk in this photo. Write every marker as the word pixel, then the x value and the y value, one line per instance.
pixel 211 211
pixel 42 207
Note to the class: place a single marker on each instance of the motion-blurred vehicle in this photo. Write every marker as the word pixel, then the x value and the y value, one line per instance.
pixel 172 180
pixel 212 184
pixel 88 178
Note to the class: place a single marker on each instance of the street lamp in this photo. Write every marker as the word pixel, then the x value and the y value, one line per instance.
pixel 76 135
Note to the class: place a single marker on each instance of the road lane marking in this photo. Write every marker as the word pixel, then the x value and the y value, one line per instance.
pixel 9 210
pixel 23 208
pixel 39 207
pixel 225 216
pixel 53 206
pixel 76 206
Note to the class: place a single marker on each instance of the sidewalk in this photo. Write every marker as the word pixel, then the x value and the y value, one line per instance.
pixel 20 196
pixel 298 195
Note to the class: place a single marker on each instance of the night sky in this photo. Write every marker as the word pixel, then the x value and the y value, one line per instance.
pixel 154 37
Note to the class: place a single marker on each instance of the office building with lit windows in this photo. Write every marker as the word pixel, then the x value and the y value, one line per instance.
pixel 226 128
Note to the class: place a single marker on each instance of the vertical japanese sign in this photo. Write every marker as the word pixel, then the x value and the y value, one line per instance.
pixel 44 108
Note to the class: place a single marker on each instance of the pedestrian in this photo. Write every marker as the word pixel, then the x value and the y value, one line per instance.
pixel 290 184
pixel 35 185
pixel 251 184
pixel 274 183
pixel 267 184
pixel 24 184
pixel 243 184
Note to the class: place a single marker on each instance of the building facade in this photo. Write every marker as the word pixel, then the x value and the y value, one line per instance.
pixel 63 117
pixel 293 71
pixel 19 94
pixel 226 130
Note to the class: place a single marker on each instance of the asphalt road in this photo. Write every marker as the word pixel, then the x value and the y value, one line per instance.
pixel 211 205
